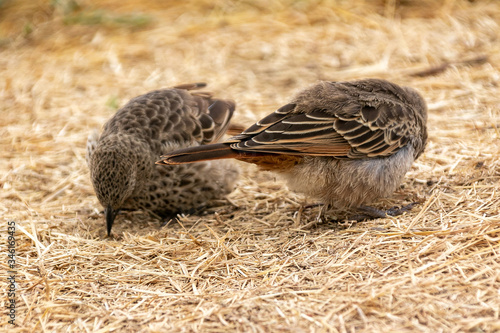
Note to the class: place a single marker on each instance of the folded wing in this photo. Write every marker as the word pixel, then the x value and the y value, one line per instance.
pixel 369 131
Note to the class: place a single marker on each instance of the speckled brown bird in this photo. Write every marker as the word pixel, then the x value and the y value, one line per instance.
pixel 122 160
pixel 344 143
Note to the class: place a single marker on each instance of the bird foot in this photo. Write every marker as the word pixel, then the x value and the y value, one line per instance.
pixel 369 213
pixel 167 219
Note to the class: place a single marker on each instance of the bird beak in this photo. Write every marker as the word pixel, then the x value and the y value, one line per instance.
pixel 110 218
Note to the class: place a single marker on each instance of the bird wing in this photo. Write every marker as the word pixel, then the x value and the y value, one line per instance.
pixel 364 131
pixel 214 120
pixel 213 114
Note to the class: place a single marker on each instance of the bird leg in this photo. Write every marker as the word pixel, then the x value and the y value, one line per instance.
pixel 321 214
pixel 369 213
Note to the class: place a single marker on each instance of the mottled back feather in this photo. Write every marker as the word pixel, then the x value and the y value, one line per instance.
pixel 172 115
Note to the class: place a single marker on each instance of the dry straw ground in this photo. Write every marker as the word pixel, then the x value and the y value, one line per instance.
pixel 259 261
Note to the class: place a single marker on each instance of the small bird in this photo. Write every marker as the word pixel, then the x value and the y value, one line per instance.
pixel 344 143
pixel 122 160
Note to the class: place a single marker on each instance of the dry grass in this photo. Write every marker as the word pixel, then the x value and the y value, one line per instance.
pixel 258 262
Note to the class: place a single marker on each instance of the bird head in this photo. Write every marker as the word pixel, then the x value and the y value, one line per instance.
pixel 114 175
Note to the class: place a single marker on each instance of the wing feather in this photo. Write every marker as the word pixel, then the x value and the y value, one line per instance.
pixel 369 128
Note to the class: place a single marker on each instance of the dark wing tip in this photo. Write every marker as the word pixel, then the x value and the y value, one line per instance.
pixel 221 111
pixel 110 218
pixel 191 86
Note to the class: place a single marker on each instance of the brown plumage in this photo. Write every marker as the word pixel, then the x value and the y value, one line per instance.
pixel 345 143
pixel 122 160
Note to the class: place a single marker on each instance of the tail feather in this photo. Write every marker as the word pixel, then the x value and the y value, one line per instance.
pixel 215 151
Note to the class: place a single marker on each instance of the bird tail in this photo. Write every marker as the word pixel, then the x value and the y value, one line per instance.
pixel 215 151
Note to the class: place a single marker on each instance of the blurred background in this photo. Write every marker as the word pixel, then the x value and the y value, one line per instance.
pixel 101 53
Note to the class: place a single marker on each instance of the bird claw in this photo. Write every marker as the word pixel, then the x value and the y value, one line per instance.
pixel 369 213
pixel 396 211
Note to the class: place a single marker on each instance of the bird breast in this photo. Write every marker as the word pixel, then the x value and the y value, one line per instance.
pixel 346 183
